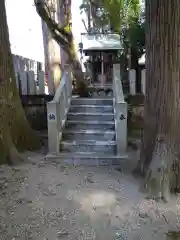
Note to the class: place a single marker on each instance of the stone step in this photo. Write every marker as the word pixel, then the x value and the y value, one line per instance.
pixel 92 125
pixel 92 101
pixel 92 108
pixel 103 87
pixel 108 147
pixel 100 93
pixel 88 159
pixel 90 116
pixel 99 135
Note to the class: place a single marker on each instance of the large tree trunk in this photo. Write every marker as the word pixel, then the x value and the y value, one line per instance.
pixel 50 64
pixel 80 85
pixel 160 150
pixel 73 60
pixel 63 9
pixel 64 37
pixel 14 128
pixel 52 51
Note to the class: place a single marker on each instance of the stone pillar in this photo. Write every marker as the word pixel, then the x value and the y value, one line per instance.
pixel 120 109
pixel 121 127
pixel 143 81
pixel 53 119
pixel 117 82
pixel 132 81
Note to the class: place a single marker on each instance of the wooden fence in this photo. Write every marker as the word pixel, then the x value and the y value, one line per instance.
pixel 29 76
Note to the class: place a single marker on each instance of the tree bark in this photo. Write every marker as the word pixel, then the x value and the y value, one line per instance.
pixel 159 159
pixel 52 60
pixel 48 71
pixel 63 8
pixel 15 131
pixel 64 37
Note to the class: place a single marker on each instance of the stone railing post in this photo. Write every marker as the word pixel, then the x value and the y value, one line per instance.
pixel 121 127
pixel 53 119
pixel 69 85
pixel 57 111
pixel 120 109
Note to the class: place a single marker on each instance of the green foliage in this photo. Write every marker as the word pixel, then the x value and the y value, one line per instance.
pixel 122 16
pixel 121 12
pixel 134 36
pixel 100 17
pixel 115 10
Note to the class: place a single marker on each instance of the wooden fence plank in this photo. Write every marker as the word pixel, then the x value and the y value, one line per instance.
pixel 41 82
pixel 24 82
pixel 26 71
pixel 31 83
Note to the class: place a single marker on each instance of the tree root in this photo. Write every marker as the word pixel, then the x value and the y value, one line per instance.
pixel 14 156
pixel 163 172
pixel 137 172
pixel 22 135
pixel 157 184
pixel 162 180
pixel 9 153
pixel 9 146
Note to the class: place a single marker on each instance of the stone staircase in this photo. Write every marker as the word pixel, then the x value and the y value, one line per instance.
pixel 89 136
pixel 88 131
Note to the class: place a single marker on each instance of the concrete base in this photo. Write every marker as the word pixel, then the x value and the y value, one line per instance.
pixel 86 159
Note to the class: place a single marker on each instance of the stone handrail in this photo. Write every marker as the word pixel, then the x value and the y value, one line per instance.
pixel 57 111
pixel 120 109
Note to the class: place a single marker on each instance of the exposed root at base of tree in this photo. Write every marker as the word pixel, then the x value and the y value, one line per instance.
pixel 9 153
pixel 137 172
pixel 173 235
pixel 30 140
pixel 160 181
pixel 163 174
pixel 22 135
pixel 157 184
pixel 14 156
pixel 16 135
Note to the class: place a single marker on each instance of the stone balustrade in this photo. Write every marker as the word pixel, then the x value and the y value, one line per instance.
pixel 120 108
pixel 57 111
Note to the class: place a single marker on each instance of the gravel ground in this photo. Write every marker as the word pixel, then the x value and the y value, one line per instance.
pixel 48 201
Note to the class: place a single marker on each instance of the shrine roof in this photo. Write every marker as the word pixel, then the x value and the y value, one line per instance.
pixel 101 42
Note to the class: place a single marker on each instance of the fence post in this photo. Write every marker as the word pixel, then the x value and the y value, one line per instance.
pixel 24 82
pixel 41 82
pixel 17 80
pixel 31 83
pixel 132 81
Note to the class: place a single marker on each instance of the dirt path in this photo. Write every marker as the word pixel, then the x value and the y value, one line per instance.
pixel 43 201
